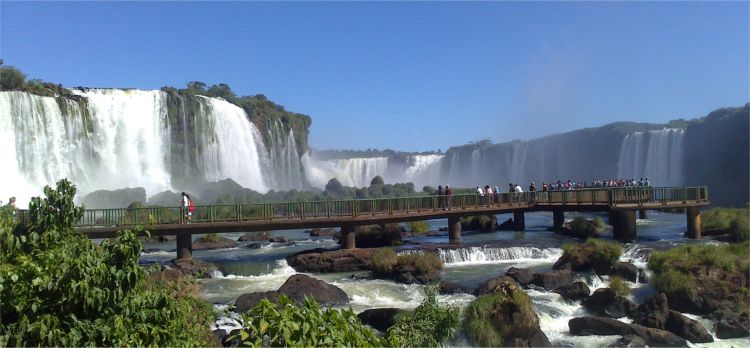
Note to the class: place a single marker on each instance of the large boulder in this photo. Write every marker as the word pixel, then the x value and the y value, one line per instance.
pixel 653 312
pixel 193 267
pixel 687 328
pixel 574 292
pixel 553 279
pixel 380 318
pixel 731 329
pixel 605 302
pixel 625 270
pixel 586 257
pixel 213 242
pixel 587 326
pixel 325 261
pixel 628 341
pixel 376 236
pixel 410 274
pixel 523 276
pixel 507 225
pixel 505 285
pixel 325 232
pixel 254 237
pixel 247 301
pixel 447 288
pixel 299 285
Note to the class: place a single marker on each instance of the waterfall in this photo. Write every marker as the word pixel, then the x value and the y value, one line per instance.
pixel 111 139
pixel 656 154
pixel 422 170
pixel 480 255
pixel 353 172
pixel 284 158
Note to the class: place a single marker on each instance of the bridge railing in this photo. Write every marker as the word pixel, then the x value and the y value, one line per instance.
pixel 150 216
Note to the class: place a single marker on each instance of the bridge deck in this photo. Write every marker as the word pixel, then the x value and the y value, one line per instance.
pixel 104 223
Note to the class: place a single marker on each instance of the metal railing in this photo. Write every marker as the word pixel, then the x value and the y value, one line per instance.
pixel 613 197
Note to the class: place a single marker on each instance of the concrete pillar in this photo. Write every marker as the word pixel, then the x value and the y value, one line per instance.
pixel 643 214
pixel 558 219
pixel 623 225
pixel 693 222
pixel 348 236
pixel 519 221
pixel 184 246
pixel 454 230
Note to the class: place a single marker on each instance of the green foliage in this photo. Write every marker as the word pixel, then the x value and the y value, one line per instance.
pixel 598 222
pixel 678 270
pixel 11 79
pixel 377 180
pixel 382 262
pixel 584 227
pixel 619 286
pixel 734 220
pixel 492 318
pixel 420 226
pixel 429 325
pixel 59 289
pixel 304 325
pixel 428 189
pixel 423 262
pixel 211 237
pixel 606 253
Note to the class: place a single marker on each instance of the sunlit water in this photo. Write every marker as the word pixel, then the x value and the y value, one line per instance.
pixel 485 255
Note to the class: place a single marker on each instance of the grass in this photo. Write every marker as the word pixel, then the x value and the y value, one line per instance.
pixel 605 252
pixel 619 286
pixel 382 262
pixel 491 318
pixel 211 238
pixel 734 220
pixel 418 226
pixel 586 227
pixel 385 260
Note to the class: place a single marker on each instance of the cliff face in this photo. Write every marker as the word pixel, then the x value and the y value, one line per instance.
pixel 717 152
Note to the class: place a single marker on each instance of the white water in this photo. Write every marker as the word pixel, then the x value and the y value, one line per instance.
pixel 485 255
pixel 124 141
pixel 657 155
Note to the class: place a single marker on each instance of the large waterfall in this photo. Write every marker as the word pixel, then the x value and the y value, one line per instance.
pixel 656 155
pixel 113 138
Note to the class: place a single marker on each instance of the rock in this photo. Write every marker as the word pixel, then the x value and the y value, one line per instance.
pixel 254 237
pixel 628 341
pixel 254 246
pixel 170 238
pixel 653 312
pixel 538 339
pixel 217 337
pixel 194 267
pixel 553 279
pixel 687 328
pixel 247 301
pixel 278 240
pixel 204 243
pixel 447 288
pixel 505 285
pixel 523 276
pixel 482 223
pixel 409 274
pixel 151 250
pixel 507 225
pixel 380 318
pixel 604 302
pixel 642 276
pixel 574 292
pixel 625 270
pixel 376 236
pixel 587 326
pixel 325 232
pixel 583 261
pixel 325 261
pixel 299 285
pixel 731 329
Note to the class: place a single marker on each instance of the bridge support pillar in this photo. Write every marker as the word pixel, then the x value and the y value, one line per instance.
pixel 519 221
pixel 693 222
pixel 348 236
pixel 184 246
pixel 643 214
pixel 558 219
pixel 454 230
pixel 623 225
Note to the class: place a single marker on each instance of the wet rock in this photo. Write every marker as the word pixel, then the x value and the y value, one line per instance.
pixel 687 328
pixel 523 276
pixel 254 237
pixel 505 285
pixel 299 285
pixel 278 240
pixel 217 337
pixel 625 270
pixel 584 260
pixel 254 246
pixel 325 261
pixel 447 288
pixel 642 276
pixel 409 274
pixel 247 301
pixel 628 341
pixel 553 279
pixel 653 312
pixel 376 236
pixel 731 329
pixel 206 242
pixel 604 302
pixel 507 225
pixel 193 267
pixel 380 318
pixel 151 250
pixel 574 292
pixel 587 326
pixel 325 232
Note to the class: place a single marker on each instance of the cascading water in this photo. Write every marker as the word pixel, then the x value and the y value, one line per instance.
pixel 354 172
pixel 284 158
pixel 656 154
pixel 479 255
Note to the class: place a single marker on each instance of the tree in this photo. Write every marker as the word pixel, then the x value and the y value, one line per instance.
pixel 378 180
pixel 335 188
pixel 11 79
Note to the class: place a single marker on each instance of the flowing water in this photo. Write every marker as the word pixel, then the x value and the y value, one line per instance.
pixel 482 256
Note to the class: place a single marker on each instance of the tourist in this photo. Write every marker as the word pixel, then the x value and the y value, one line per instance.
pixel 440 196
pixel 187 208
pixel 497 195
pixel 532 188
pixel 448 194
pixel 488 192
pixel 12 205
pixel 647 183
pixel 480 192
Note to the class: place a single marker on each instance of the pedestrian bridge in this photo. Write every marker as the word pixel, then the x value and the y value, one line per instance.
pixel 621 203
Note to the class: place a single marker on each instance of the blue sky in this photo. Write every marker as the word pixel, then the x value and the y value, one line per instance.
pixel 407 76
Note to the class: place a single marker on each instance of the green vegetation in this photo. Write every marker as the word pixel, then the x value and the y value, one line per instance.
pixel 385 260
pixel 586 228
pixel 478 223
pixel 211 238
pixel 429 325
pixel 59 289
pixel 603 253
pixel 289 324
pixel 418 226
pixel 619 286
pixel 12 79
pixel 491 318
pixel 681 270
pixel 736 221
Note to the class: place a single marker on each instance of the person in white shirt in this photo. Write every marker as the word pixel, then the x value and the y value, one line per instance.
pixel 480 192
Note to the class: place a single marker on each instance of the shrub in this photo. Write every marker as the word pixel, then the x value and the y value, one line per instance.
pixel 429 325
pixel 418 226
pixel 619 286
pixel 604 253
pixel 59 289
pixel 585 228
pixel 598 222
pixel 382 262
pixel 734 221
pixel 423 262
pixel 491 319
pixel 211 238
